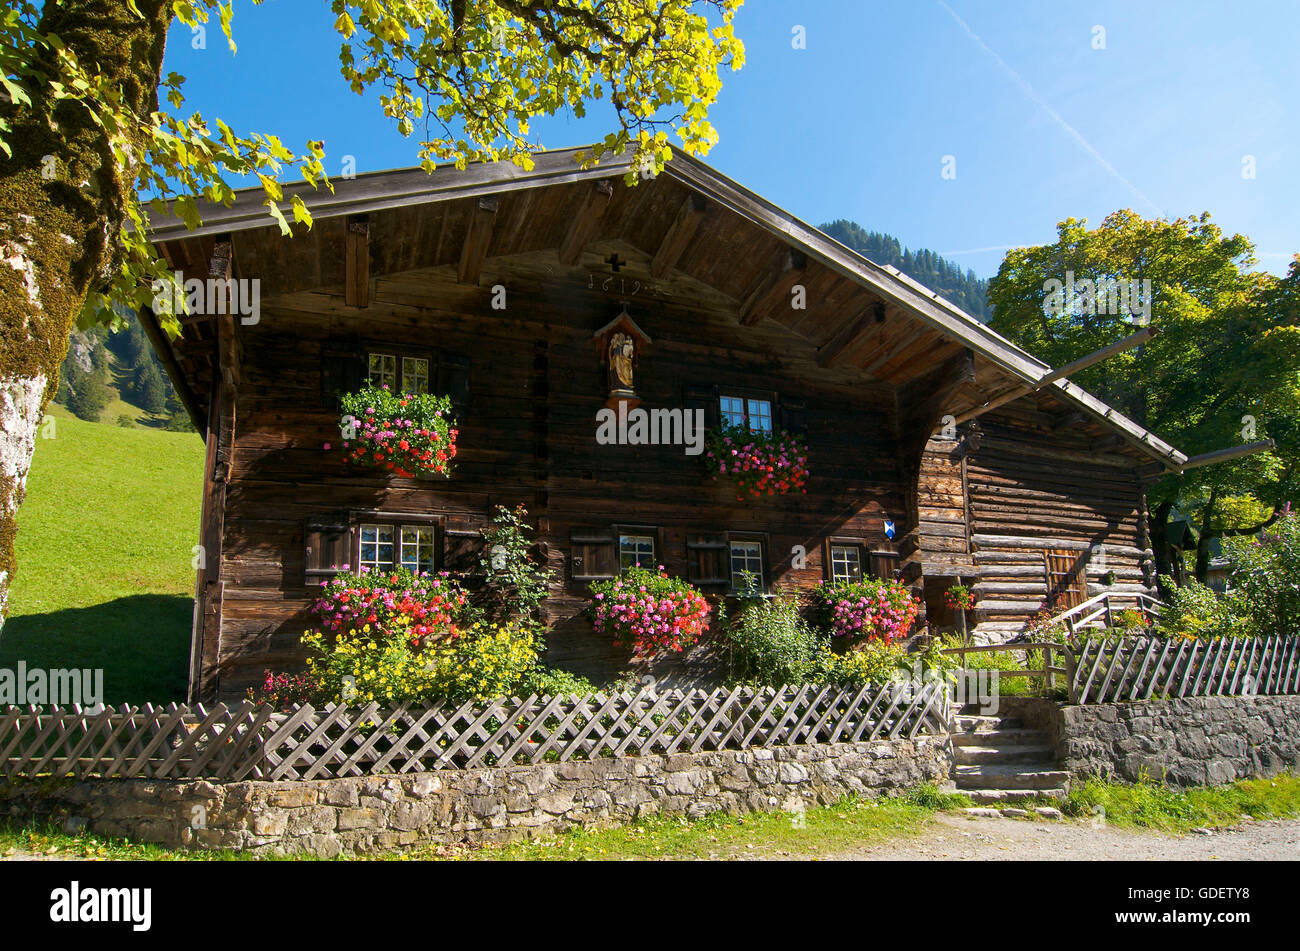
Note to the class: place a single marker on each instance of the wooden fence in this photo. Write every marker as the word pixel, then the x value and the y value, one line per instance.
pixel 258 742
pixel 1145 668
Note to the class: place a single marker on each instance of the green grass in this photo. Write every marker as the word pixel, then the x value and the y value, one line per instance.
pixel 105 549
pixel 1150 805
pixel 819 831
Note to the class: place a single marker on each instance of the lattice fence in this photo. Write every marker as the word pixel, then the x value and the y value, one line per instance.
pixel 1145 668
pixel 257 742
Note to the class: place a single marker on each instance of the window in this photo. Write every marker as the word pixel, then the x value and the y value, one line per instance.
pixel 383 370
pixel 846 562
pixel 636 551
pixel 733 410
pixel 747 559
pixel 385 546
pixel 752 414
pixel 376 546
pixel 414 376
pixel 760 416
pixel 417 547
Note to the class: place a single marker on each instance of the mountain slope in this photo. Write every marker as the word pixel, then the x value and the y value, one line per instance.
pixel 937 273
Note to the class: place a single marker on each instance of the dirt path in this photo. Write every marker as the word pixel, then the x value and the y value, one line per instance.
pixel 955 837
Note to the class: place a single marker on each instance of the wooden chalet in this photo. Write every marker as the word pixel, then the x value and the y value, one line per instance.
pixel 938 450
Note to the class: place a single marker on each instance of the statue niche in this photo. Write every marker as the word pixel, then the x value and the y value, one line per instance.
pixel 619 344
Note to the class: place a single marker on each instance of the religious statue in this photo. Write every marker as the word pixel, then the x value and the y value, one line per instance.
pixel 620 344
pixel 622 350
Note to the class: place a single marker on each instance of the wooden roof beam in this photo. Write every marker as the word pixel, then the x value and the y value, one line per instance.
pixel 678 236
pixel 1146 333
pixel 1083 362
pixel 1223 455
pixel 909 338
pixel 854 332
pixel 482 219
pixel 586 223
pixel 356 261
pixel 774 289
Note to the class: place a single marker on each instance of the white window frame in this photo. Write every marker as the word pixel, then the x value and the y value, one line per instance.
pixel 388 367
pixel 399 542
pixel 857 552
pixel 636 539
pixel 736 580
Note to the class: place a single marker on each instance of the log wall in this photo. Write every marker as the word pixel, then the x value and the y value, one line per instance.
pixel 1036 479
pixel 528 436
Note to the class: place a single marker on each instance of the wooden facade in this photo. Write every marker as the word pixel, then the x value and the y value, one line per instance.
pixel 496 280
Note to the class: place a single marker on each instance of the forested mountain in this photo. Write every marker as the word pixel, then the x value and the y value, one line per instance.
pixel 943 277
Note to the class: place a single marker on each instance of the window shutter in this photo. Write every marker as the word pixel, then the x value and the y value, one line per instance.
pixel 460 550
pixel 592 555
pixel 794 416
pixel 884 564
pixel 327 547
pixel 708 559
pixel 453 381
pixel 342 371
pixel 705 398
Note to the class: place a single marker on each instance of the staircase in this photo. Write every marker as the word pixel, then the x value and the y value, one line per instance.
pixel 998 760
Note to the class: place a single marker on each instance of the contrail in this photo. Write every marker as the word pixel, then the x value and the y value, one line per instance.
pixel 1028 90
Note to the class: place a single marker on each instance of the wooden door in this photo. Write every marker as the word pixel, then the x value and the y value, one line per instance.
pixel 1067 586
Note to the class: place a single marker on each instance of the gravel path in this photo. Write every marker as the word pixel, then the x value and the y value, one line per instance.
pixel 958 837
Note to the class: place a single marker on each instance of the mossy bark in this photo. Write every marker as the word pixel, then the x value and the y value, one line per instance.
pixel 62 201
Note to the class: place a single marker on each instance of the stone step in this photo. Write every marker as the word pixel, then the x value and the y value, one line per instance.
pixel 1010 776
pixel 975 723
pixel 1004 797
pixel 1039 753
pixel 1013 737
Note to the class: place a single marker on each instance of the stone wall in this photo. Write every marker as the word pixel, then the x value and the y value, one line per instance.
pixel 1195 742
pixel 326 817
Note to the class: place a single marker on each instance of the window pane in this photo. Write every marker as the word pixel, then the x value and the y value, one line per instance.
pixel 417 547
pixel 760 416
pixel 383 370
pixel 636 551
pixel 846 564
pixel 733 410
pixel 746 557
pixel 377 546
pixel 415 375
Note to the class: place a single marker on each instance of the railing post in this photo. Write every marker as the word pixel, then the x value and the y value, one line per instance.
pixel 1047 668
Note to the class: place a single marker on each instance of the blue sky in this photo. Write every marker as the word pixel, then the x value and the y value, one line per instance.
pixel 1041 125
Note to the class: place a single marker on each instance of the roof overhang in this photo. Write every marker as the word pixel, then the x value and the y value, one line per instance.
pixel 379 191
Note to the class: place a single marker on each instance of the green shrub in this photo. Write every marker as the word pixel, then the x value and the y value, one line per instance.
pixel 1195 611
pixel 513 584
pixel 771 645
pixel 551 682
pixel 1265 573
pixel 873 662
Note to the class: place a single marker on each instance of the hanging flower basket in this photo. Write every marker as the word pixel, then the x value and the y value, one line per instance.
pixel 405 434
pixel 759 463
pixel 959 597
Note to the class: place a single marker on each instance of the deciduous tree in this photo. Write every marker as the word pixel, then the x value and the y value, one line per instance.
pixel 94 138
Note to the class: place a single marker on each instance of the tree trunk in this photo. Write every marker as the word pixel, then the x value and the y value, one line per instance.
pixel 1166 562
pixel 1203 538
pixel 62 202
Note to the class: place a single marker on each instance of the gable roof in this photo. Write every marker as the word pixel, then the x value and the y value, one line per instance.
pixel 382 191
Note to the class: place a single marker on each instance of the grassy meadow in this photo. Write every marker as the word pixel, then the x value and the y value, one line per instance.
pixel 105 549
